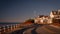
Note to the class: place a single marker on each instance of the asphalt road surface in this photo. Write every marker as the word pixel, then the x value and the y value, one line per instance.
pixel 38 29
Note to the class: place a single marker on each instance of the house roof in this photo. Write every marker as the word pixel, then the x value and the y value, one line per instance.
pixel 46 16
pixel 40 16
pixel 56 12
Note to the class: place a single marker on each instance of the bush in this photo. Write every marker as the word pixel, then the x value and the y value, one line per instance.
pixel 30 20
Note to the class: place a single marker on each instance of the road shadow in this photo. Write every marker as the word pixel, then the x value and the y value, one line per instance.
pixel 24 29
pixel 20 31
pixel 36 26
pixel 33 31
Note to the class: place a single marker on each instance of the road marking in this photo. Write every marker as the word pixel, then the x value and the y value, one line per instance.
pixel 48 30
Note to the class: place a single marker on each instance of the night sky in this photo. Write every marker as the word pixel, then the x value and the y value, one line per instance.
pixel 20 10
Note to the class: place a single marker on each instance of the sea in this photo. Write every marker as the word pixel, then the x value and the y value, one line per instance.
pixel 8 23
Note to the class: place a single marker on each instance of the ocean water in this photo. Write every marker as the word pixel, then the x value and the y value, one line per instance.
pixel 8 23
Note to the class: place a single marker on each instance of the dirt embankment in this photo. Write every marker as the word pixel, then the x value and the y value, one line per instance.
pixel 56 24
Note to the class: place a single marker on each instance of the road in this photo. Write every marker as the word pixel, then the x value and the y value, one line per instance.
pixel 38 29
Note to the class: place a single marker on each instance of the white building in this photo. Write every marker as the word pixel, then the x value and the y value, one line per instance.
pixel 55 15
pixel 42 19
pixel 52 18
pixel 38 19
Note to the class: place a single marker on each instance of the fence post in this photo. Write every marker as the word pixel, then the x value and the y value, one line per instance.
pixel 11 28
pixel 14 26
pixel 0 30
pixel 4 28
pixel 8 28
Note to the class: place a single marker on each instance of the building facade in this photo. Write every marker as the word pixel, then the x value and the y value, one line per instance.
pixel 42 19
pixel 55 16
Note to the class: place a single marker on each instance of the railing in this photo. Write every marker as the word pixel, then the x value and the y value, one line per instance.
pixel 8 28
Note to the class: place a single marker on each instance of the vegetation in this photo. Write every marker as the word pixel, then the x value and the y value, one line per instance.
pixel 29 21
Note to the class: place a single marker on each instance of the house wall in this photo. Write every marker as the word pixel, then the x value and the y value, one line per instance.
pixel 51 15
pixel 47 20
pixel 42 20
pixel 37 20
pixel 54 18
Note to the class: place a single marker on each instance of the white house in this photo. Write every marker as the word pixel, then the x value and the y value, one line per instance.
pixel 42 19
pixel 55 15
pixel 38 19
pixel 45 20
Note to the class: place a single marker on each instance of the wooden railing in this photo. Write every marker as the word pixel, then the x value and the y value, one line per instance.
pixel 8 28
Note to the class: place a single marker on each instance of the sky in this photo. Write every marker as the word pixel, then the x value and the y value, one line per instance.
pixel 20 10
